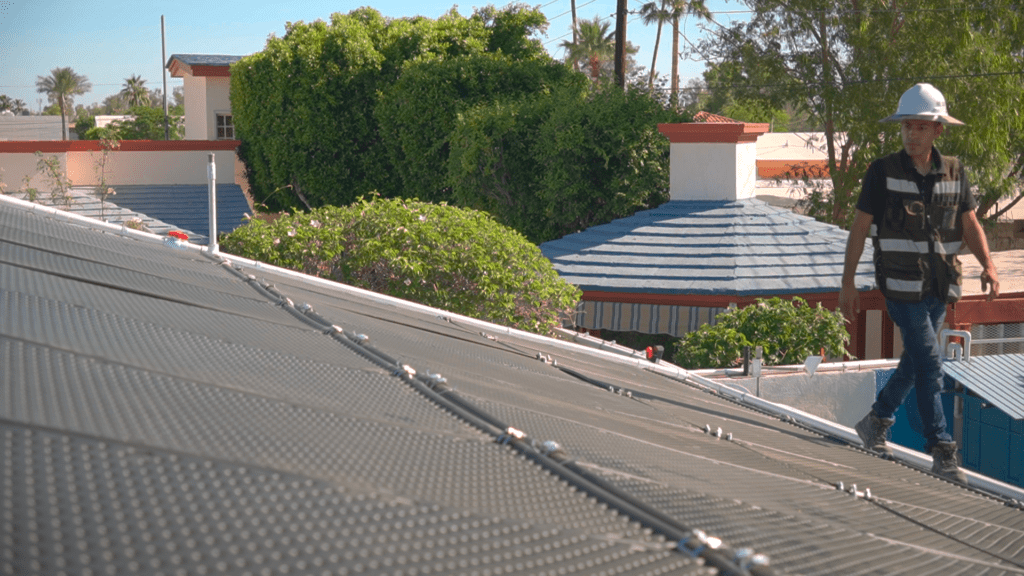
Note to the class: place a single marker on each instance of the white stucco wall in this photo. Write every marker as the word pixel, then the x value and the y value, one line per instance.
pixel 218 99
pixel 712 171
pixel 195 108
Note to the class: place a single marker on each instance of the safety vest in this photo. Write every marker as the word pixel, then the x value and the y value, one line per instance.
pixel 918 237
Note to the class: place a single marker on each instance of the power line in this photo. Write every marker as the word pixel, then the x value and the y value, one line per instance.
pixel 874 81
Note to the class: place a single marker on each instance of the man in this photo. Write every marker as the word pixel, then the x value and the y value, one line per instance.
pixel 918 209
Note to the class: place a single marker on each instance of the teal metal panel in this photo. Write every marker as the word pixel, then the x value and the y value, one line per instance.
pixel 994 452
pixel 1016 475
pixel 998 378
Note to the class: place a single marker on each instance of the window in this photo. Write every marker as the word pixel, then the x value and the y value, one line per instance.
pixel 225 127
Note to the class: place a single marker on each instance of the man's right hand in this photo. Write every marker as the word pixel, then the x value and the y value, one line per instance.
pixel 849 303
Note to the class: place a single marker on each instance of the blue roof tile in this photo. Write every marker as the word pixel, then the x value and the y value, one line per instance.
pixel 204 59
pixel 742 248
pixel 186 206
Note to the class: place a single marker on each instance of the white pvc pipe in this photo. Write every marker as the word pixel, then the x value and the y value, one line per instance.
pixel 211 174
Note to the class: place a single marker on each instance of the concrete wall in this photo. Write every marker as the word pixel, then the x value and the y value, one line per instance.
pixel 843 397
pixel 139 163
pixel 156 167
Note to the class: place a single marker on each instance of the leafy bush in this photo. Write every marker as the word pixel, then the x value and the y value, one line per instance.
pixel 553 165
pixel 438 255
pixel 304 106
pixel 419 111
pixel 788 331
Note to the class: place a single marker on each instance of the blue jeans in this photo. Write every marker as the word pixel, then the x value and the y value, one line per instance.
pixel 920 367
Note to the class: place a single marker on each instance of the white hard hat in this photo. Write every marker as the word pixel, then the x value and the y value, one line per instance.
pixel 922 102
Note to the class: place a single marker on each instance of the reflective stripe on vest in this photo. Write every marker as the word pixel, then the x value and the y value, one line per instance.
pixel 909 286
pixel 898 185
pixel 904 245
pixel 955 291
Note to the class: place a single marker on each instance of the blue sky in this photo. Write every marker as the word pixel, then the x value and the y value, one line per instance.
pixel 110 40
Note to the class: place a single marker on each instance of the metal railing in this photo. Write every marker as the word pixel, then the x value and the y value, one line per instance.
pixel 957 352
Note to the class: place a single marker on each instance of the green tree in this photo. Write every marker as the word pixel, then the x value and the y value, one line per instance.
pixel 846 67
pixel 450 258
pixel 594 45
pixel 787 330
pixel 418 112
pixel 304 106
pixel 143 123
pixel 83 125
pixel 549 165
pixel 61 87
pixel 756 111
pixel 134 93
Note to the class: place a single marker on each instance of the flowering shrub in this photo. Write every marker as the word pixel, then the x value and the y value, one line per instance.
pixel 787 330
pixel 442 256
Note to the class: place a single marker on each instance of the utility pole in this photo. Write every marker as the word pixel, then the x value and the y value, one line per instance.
pixel 620 44
pixel 163 67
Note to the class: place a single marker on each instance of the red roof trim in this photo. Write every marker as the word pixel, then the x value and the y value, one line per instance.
pixel 976 309
pixel 179 69
pixel 870 300
pixel 209 70
pixel 62 146
pixel 703 132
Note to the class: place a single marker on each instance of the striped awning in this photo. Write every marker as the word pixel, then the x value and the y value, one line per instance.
pixel 644 318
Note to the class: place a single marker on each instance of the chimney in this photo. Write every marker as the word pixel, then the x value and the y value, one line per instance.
pixel 712 161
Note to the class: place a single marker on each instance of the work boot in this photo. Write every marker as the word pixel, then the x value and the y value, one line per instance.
pixel 872 431
pixel 944 462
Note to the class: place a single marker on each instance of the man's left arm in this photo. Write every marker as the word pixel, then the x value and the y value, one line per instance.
pixel 974 236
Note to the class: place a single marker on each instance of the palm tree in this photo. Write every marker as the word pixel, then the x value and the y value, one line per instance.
pixel 655 11
pixel 575 35
pixel 61 87
pixel 19 106
pixel 679 8
pixel 594 44
pixel 135 92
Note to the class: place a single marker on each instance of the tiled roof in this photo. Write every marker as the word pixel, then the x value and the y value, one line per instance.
pixel 742 248
pixel 163 411
pixel 204 59
pixel 703 116
pixel 85 202
pixel 186 206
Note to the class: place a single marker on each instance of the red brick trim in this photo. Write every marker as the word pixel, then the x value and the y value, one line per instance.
pixel 702 132
pixel 63 146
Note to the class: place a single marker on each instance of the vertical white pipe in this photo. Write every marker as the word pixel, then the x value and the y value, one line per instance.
pixel 211 174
